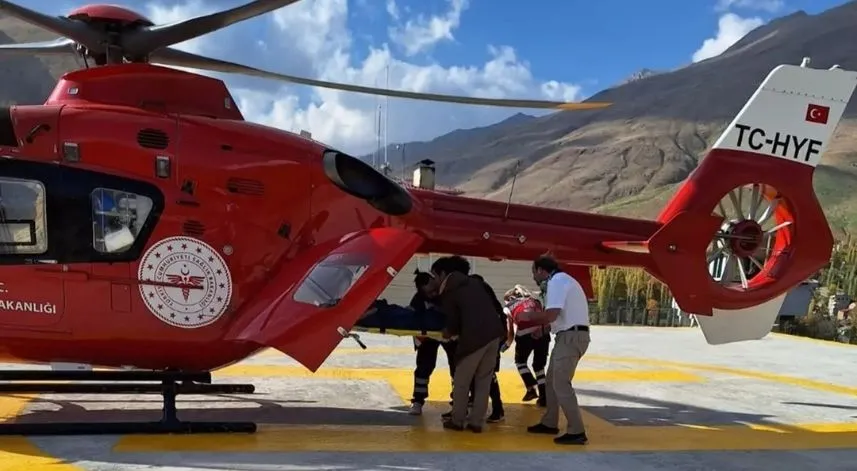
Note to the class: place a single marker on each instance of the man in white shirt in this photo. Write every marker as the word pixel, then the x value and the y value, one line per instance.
pixel 567 310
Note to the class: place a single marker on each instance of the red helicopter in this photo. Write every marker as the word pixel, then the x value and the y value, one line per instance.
pixel 145 224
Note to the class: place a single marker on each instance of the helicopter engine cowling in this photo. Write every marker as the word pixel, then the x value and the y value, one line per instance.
pixel 361 180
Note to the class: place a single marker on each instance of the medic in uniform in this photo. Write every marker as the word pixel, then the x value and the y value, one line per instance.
pixel 530 338
pixel 426 347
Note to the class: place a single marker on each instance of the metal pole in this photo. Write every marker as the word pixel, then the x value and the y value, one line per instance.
pixel 403 163
pixel 386 117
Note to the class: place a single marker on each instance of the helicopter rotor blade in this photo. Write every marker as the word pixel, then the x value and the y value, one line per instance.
pixel 74 30
pixel 145 40
pixel 57 46
pixel 175 57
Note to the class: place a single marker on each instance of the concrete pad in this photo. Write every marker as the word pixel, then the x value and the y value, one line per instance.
pixel 652 399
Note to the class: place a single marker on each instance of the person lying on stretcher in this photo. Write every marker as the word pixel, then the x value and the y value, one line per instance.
pixel 393 319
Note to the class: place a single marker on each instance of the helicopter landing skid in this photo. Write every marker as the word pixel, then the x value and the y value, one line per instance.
pixel 166 383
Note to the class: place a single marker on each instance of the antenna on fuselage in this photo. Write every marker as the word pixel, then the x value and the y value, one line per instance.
pixel 512 189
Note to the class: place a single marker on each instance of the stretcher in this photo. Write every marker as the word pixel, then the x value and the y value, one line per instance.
pixel 392 319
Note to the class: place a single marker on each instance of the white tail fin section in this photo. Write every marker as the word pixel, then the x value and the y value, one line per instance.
pixel 753 323
pixel 792 115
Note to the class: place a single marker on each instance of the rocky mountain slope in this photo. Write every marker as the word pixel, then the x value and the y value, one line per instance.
pixel 628 159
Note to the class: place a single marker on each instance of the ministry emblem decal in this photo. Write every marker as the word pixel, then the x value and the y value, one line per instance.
pixel 185 282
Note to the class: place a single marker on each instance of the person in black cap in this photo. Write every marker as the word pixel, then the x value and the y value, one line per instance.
pixel 426 347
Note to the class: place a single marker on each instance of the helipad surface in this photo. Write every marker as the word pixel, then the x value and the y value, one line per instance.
pixel 654 399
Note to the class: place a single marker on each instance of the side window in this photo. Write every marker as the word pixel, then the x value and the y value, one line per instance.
pixel 117 218
pixel 329 281
pixel 23 225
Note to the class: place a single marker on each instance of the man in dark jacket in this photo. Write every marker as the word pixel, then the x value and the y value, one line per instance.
pixel 497 412
pixel 472 317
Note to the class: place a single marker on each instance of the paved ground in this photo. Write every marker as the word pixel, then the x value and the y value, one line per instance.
pixel 655 399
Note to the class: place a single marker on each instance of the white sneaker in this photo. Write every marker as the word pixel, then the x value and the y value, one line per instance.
pixel 416 409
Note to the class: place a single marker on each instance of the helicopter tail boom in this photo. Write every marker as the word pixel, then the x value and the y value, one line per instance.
pixel 746 226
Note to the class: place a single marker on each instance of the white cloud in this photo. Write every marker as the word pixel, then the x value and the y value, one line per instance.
pixel 393 10
pixel 730 29
pixel 313 38
pixel 771 6
pixel 171 13
pixel 422 33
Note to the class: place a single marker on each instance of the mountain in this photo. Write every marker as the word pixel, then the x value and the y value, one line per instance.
pixel 629 158
pixel 640 75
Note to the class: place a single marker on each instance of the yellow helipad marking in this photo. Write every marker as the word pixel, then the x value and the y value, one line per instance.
pixel 496 438
pixel 395 374
pixel 19 454
pixel 11 406
pixel 829 343
pixel 761 375
pixel 428 435
pixel 401 380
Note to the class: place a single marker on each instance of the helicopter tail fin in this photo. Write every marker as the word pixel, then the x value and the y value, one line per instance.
pixel 746 226
pixel 322 293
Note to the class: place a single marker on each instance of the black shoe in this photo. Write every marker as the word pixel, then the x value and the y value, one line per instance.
pixel 495 417
pixel 571 439
pixel 452 426
pixel 531 394
pixel 542 428
pixel 446 416
pixel 474 429
pixel 542 402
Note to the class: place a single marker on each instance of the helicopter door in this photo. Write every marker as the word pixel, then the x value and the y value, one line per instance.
pixel 329 287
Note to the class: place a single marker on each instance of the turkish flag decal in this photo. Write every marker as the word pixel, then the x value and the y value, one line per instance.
pixel 817 113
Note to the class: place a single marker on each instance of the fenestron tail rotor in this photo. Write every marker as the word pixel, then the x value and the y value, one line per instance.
pixel 111 35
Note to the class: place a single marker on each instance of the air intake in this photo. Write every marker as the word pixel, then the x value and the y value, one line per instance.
pixel 193 228
pixel 245 186
pixel 153 139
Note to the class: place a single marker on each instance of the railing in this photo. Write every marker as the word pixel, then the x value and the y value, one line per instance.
pixel 438 188
pixel 661 317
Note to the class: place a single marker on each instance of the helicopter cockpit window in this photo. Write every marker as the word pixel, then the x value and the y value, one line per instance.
pixel 330 280
pixel 117 219
pixel 23 225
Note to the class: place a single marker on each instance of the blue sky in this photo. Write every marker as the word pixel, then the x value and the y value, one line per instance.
pixel 598 43
pixel 561 49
